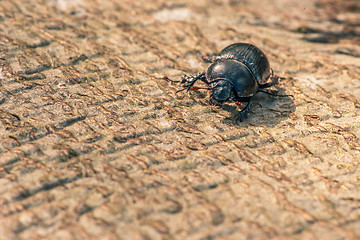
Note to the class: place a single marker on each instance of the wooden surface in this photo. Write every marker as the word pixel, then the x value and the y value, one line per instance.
pixel 95 144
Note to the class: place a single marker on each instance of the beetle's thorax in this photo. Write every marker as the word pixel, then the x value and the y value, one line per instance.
pixel 235 73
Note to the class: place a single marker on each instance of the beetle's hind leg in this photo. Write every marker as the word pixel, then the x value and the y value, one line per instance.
pixel 274 80
pixel 273 93
pixel 188 81
pixel 241 116
pixel 267 85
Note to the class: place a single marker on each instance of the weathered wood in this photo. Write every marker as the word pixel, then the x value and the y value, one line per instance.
pixel 95 144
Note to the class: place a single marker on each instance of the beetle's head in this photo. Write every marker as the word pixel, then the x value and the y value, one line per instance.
pixel 221 92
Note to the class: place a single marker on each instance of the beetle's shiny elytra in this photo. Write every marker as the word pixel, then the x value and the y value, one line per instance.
pixel 236 74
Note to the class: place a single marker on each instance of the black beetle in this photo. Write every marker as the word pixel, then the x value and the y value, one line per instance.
pixel 236 74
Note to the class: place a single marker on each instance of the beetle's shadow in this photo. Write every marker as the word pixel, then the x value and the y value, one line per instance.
pixel 264 110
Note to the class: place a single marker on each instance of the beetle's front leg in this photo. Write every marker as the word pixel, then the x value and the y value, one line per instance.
pixel 189 81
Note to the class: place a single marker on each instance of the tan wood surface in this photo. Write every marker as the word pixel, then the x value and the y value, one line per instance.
pixel 95 144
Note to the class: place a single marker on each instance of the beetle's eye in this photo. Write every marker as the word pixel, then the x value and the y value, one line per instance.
pixel 221 91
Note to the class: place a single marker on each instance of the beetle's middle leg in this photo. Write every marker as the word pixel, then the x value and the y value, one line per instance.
pixel 189 81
